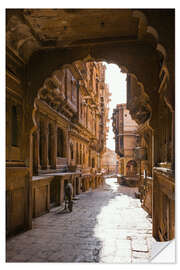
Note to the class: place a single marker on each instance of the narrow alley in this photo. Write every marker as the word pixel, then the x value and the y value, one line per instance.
pixel 107 225
pixel 89 92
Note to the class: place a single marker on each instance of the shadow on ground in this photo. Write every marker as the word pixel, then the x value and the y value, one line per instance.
pixel 62 236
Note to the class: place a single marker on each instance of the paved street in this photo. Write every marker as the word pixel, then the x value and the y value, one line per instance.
pixel 107 225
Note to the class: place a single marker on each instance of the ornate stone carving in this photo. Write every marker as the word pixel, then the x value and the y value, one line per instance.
pixel 20 38
pixel 52 91
pixel 139 103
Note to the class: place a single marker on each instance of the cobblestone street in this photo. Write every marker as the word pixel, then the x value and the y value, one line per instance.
pixel 107 225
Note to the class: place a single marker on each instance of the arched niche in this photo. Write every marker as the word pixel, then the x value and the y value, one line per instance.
pixel 131 168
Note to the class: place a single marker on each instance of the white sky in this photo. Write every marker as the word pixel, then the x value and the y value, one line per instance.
pixel 117 86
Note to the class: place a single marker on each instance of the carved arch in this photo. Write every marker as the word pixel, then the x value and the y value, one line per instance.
pixel 148 29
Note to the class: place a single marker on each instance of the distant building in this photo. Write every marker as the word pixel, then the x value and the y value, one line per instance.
pixel 109 162
pixel 125 130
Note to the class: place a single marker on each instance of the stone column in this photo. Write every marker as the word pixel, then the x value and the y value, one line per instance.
pixel 36 161
pixel 74 187
pixel 78 153
pixel 78 191
pixel 61 189
pixel 8 127
pixel 66 146
pixel 45 162
pixel 38 142
pixel 54 146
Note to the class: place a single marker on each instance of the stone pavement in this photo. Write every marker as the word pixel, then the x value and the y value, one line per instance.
pixel 107 225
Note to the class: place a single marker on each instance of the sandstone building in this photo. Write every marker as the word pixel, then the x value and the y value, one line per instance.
pixel 155 142
pixel 69 137
pixel 43 48
pixel 125 130
pixel 110 162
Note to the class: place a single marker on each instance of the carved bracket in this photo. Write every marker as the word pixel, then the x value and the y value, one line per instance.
pixel 20 38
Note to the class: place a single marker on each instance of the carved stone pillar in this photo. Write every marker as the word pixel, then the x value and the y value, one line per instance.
pixel 53 145
pixel 44 135
pixel 67 145
pixel 36 160
pixel 8 127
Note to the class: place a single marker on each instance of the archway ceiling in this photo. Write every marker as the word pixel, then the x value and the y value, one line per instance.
pixel 50 38
pixel 68 27
pixel 66 35
pixel 43 29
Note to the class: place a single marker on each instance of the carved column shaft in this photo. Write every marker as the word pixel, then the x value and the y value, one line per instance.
pixel 44 135
pixel 38 153
pixel 53 146
pixel 54 154
pixel 36 161
pixel 66 145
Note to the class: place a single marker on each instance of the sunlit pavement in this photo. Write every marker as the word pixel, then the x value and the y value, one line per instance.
pixel 107 225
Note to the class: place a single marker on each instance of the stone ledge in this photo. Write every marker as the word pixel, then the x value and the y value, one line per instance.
pixel 164 171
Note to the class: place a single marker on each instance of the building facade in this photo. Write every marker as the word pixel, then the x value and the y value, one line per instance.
pixel 156 140
pixel 68 138
pixel 110 162
pixel 125 130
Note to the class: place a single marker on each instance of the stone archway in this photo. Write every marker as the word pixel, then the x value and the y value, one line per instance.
pixel 148 58
pixel 142 92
